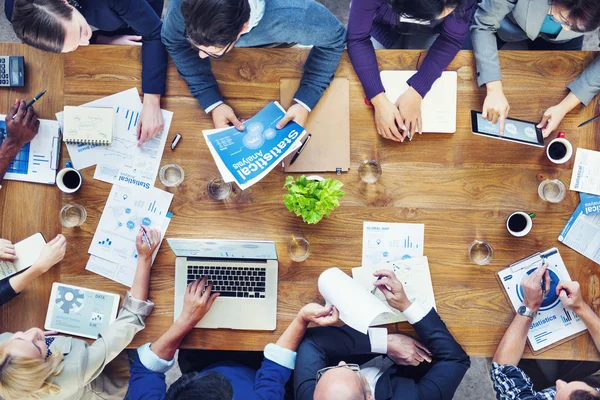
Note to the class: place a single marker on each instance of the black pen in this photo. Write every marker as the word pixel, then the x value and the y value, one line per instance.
pixel 35 98
pixel 588 121
pixel 375 287
pixel 300 149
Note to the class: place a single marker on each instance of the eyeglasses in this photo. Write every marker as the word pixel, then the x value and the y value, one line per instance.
pixel 351 367
pixel 211 55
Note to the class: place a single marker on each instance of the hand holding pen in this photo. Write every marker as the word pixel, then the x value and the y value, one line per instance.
pixel 147 241
pixel 32 101
pixel 392 289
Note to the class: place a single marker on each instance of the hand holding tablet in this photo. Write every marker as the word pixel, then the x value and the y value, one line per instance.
pixel 515 130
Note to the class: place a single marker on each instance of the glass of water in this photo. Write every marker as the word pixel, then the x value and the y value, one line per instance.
pixel 369 171
pixel 481 253
pixel 171 175
pixel 552 191
pixel 298 249
pixel 218 189
pixel 72 215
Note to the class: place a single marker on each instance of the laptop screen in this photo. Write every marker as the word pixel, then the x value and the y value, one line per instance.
pixel 223 249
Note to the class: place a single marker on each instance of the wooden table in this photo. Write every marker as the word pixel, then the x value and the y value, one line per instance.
pixel 461 186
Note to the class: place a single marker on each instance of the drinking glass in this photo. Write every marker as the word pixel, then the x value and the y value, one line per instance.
pixel 552 190
pixel 218 189
pixel 171 175
pixel 369 171
pixel 298 249
pixel 481 253
pixel 72 215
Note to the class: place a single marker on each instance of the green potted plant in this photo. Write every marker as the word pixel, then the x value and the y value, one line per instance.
pixel 312 198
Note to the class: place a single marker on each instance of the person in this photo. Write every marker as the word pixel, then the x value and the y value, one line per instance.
pixel 31 367
pixel 387 21
pixel 16 134
pixel 510 381
pixel 223 380
pixel 429 371
pixel 196 31
pixel 64 25
pixel 52 253
pixel 546 25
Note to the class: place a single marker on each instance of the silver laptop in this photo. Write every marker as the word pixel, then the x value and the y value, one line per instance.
pixel 243 272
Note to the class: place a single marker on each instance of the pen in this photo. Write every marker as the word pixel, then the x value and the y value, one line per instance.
pixel 146 238
pixel 300 149
pixel 175 141
pixel 35 98
pixel 588 121
pixel 375 287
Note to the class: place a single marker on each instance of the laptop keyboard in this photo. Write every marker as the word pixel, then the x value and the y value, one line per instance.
pixel 244 282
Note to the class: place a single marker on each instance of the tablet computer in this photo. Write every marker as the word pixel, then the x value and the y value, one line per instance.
pixel 80 311
pixel 515 130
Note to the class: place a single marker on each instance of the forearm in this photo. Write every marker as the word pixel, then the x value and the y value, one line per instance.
pixel 166 346
pixel 151 99
pixel 141 281
pixel 291 338
pixel 569 102
pixel 8 151
pixel 591 320
pixel 21 281
pixel 511 347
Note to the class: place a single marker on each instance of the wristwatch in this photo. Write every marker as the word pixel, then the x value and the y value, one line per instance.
pixel 527 312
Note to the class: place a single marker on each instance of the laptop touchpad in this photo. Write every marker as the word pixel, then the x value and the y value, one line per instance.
pixel 222 314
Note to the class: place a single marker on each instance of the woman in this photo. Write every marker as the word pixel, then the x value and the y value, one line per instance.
pixel 388 22
pixel 31 367
pixel 62 26
pixel 52 253
pixel 543 24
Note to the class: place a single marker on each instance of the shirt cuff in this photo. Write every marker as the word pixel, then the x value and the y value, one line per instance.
pixel 153 362
pixel 284 357
pixel 378 339
pixel 302 104
pixel 138 307
pixel 212 107
pixel 414 313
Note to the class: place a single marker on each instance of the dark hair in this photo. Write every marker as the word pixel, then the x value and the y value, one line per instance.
pixel 583 14
pixel 426 10
pixel 192 386
pixel 214 22
pixel 38 23
pixel 584 395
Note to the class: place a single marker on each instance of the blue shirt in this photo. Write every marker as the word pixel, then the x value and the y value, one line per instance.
pixel 550 27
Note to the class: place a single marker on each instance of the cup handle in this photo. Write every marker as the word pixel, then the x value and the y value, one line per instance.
pixel 68 164
pixel 561 135
pixel 532 215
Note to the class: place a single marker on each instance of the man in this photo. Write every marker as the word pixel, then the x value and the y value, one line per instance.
pixel 411 370
pixel 222 380
pixel 19 132
pixel 510 382
pixel 194 31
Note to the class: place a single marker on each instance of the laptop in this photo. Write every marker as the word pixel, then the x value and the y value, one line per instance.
pixel 243 272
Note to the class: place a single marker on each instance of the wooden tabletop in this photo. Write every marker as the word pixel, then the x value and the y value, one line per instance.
pixel 461 186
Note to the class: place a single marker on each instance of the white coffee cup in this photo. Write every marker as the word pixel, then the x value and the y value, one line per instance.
pixel 69 187
pixel 517 231
pixel 568 146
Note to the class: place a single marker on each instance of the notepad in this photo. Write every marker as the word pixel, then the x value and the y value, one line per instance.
pixel 88 125
pixel 27 251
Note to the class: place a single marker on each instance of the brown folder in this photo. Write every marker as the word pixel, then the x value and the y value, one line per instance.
pixel 329 124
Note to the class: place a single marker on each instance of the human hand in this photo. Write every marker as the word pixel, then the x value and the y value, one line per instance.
pixel 52 253
pixel 151 119
pixel 404 350
pixel 533 295
pixel 7 251
pixel 495 105
pixel 222 115
pixel 392 289
pixel 320 315
pixel 570 295
pixel 295 113
pixel 144 251
pixel 551 119
pixel 409 105
pixel 120 40
pixel 195 303
pixel 24 127
pixel 387 118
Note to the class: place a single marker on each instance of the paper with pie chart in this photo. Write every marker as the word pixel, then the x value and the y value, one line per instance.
pixel 554 322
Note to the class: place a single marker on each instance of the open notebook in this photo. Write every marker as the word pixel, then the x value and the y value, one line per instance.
pixel 27 251
pixel 88 125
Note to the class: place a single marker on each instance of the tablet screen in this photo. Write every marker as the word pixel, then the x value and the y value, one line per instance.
pixel 513 129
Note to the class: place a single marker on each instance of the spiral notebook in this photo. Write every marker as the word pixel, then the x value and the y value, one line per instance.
pixel 89 125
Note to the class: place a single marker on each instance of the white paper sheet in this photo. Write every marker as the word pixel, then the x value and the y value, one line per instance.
pixel 383 241
pixel 586 172
pixel 415 277
pixel 28 250
pixel 357 306
pixel 582 234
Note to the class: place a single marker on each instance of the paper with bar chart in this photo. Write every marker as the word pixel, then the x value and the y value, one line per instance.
pixel 384 242
pixel 125 210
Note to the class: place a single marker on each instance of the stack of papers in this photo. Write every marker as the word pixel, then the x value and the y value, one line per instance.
pixel 582 231
pixel 586 175
pixel 248 156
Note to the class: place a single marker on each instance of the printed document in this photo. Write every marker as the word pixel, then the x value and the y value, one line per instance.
pixel 586 172
pixel 582 233
pixel 383 242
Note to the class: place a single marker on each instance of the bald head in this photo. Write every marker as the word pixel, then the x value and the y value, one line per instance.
pixel 339 384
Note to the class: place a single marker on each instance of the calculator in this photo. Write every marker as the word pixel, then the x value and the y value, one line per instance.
pixel 12 71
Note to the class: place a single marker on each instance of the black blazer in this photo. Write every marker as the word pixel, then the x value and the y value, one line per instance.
pixel 323 347
pixel 143 18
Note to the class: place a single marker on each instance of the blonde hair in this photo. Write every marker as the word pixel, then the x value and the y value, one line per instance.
pixel 28 378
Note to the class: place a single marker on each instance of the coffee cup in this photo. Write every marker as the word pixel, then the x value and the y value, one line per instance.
pixel 560 150
pixel 519 223
pixel 68 179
